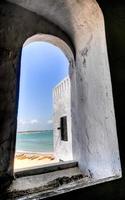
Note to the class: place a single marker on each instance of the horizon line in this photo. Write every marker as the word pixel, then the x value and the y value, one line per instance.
pixel 34 130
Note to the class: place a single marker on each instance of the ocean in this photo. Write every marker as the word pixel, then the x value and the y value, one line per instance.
pixel 40 141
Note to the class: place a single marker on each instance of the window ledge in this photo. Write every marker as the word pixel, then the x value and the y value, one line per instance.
pixel 45 168
pixel 66 174
pixel 65 177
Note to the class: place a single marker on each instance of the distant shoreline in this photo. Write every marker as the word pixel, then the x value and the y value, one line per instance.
pixel 34 131
pixel 33 152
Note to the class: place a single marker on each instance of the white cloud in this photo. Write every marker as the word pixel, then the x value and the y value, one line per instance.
pixel 24 122
pixel 34 121
pixel 50 121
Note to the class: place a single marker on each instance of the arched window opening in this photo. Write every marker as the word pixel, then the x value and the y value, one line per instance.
pixel 44 118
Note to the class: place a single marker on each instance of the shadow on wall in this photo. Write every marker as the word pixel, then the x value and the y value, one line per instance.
pixel 114 14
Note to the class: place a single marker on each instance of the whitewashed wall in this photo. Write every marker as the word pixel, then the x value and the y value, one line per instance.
pixel 62 107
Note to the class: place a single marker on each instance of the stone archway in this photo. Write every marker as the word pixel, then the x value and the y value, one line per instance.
pixel 62 150
pixel 95 144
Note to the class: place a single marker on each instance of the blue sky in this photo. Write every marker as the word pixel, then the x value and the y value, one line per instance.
pixel 43 66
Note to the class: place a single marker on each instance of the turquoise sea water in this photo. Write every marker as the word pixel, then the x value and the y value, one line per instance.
pixel 41 141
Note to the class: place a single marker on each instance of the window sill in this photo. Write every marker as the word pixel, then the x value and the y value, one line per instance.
pixel 64 177
pixel 45 168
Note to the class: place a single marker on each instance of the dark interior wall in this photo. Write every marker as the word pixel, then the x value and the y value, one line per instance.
pixel 16 25
pixel 114 15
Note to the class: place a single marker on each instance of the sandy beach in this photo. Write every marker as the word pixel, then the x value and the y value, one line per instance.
pixel 24 160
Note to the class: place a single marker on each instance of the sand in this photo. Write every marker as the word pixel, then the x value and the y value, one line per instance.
pixel 24 160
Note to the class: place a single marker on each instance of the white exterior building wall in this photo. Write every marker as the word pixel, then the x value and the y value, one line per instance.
pixel 62 107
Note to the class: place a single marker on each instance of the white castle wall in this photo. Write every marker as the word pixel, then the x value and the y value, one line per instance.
pixel 62 107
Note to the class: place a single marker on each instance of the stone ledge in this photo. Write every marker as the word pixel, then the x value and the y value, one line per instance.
pixel 51 181
pixel 51 191
pixel 45 168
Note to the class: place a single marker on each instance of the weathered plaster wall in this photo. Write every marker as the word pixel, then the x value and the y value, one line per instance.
pixel 114 13
pixel 16 25
pixel 62 107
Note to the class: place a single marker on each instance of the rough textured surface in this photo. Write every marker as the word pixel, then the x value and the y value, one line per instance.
pixel 94 131
pixel 46 184
pixel 114 13
pixel 62 107
pixel 36 181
